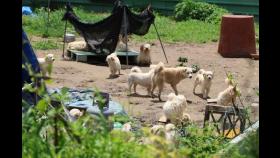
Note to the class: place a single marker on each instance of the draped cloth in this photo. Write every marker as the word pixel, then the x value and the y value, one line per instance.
pixel 103 36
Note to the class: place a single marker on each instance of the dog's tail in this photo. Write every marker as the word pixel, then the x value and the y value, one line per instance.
pixel 159 67
pixel 135 69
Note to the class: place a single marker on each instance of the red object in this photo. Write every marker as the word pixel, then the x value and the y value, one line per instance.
pixel 237 36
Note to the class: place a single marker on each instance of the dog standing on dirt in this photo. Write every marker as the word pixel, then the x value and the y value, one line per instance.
pixel 136 77
pixel 204 80
pixel 46 64
pixel 114 64
pixel 171 76
pixel 144 58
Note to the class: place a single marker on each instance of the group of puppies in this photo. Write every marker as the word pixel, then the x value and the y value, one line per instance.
pixel 175 108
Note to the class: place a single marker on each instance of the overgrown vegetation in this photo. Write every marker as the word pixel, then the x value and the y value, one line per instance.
pixel 247 148
pixel 189 9
pixel 45 45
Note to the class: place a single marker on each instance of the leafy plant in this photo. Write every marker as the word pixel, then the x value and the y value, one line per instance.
pixel 202 142
pixel 183 59
pixel 189 9
pixel 247 148
pixel 195 68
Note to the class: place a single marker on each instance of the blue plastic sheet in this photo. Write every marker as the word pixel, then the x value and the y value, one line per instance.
pixel 83 98
pixel 26 10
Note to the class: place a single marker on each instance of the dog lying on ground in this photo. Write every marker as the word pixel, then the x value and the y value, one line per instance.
pixel 76 113
pixel 78 45
pixel 138 77
pixel 175 107
pixel 204 80
pixel 144 58
pixel 121 43
pixel 171 76
pixel 228 95
pixel 114 64
pixel 46 64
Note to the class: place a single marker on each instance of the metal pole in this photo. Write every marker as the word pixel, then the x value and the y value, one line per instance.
pixel 125 32
pixel 64 38
pixel 160 42
pixel 48 22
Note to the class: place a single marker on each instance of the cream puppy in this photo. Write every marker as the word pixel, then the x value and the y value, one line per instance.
pixel 204 80
pixel 170 133
pixel 158 130
pixel 143 79
pixel 175 107
pixel 144 58
pixel 46 64
pixel 227 96
pixel 114 64
pixel 76 113
pixel 121 43
pixel 171 76
pixel 78 45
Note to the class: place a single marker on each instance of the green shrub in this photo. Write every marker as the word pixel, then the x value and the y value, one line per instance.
pixel 188 9
pixel 203 143
pixel 45 45
pixel 247 148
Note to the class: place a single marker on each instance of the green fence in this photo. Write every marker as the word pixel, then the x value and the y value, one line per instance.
pixel 250 7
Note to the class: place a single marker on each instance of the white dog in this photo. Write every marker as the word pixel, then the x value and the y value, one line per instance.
pixel 144 58
pixel 171 76
pixel 158 130
pixel 175 107
pixel 168 132
pixel 204 80
pixel 121 43
pixel 143 79
pixel 114 64
pixel 46 64
pixel 78 45
pixel 76 113
pixel 228 95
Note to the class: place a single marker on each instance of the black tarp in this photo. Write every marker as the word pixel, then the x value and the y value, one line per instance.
pixel 103 36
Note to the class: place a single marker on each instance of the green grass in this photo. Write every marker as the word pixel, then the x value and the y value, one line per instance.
pixel 45 45
pixel 190 31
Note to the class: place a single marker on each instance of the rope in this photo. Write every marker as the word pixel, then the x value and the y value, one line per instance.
pixel 160 41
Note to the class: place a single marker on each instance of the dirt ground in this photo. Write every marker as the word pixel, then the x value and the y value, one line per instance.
pixel 76 74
